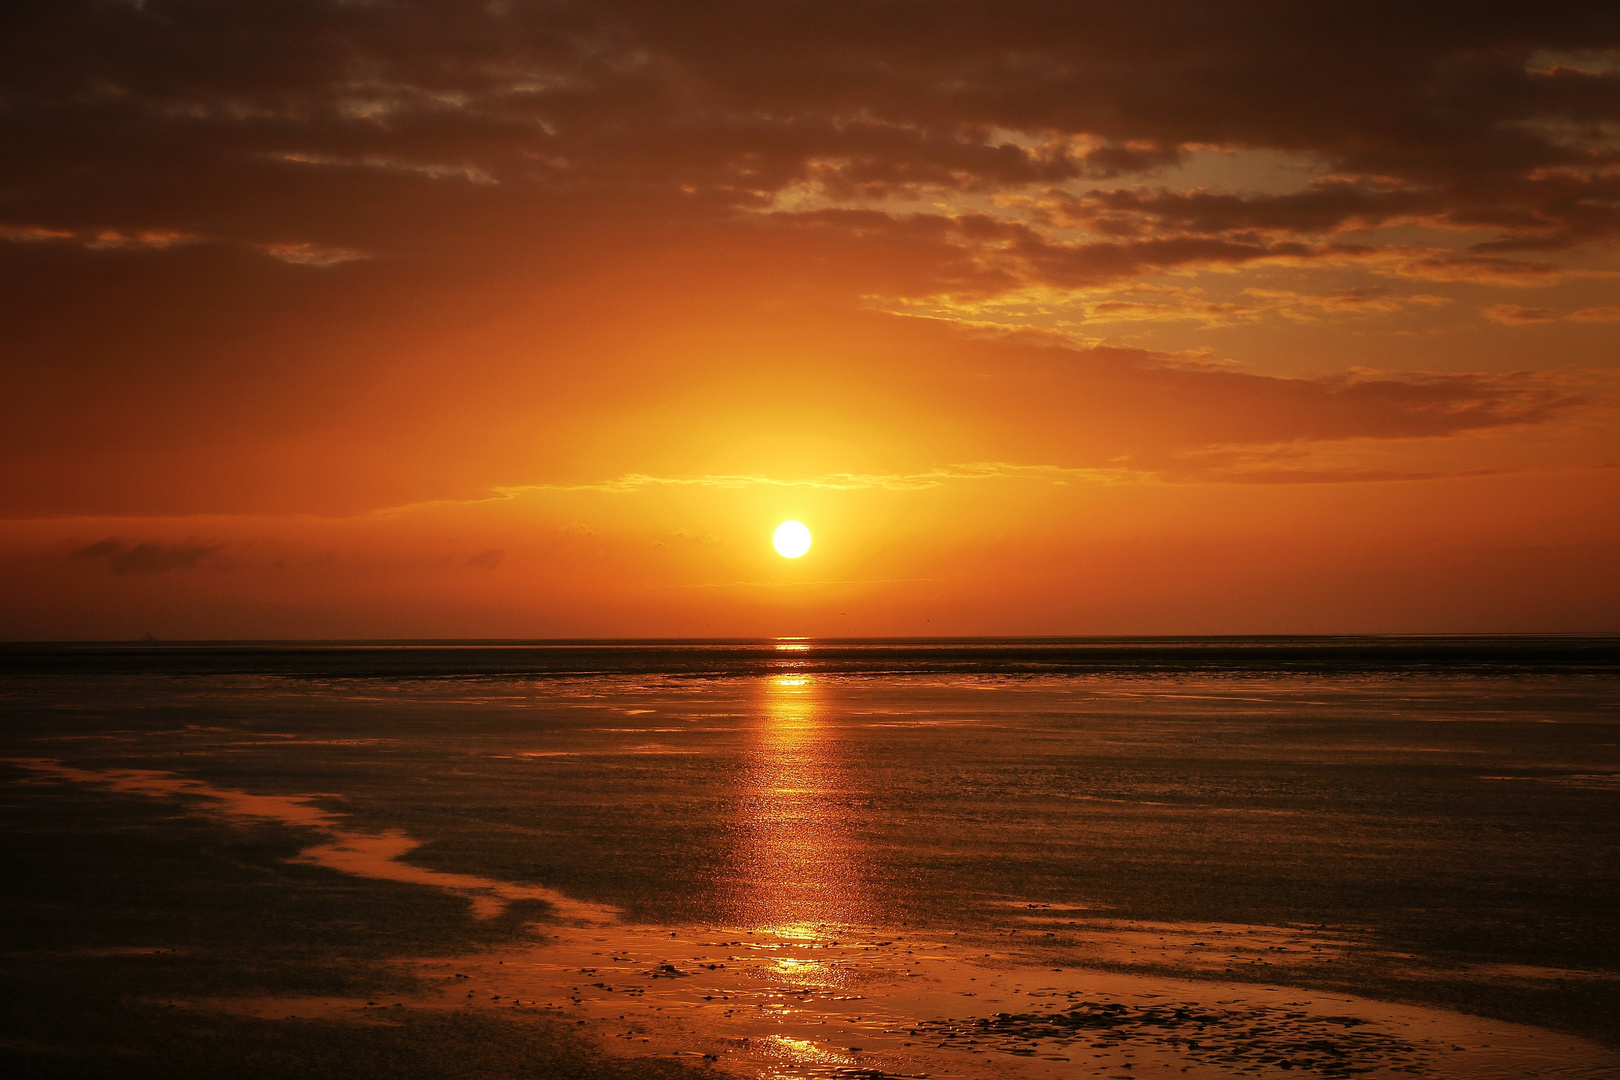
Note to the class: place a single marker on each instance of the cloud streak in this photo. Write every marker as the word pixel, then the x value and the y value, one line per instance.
pixel 912 481
pixel 146 557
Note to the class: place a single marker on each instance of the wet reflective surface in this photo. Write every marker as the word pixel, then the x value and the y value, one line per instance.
pixel 799 864
pixel 806 872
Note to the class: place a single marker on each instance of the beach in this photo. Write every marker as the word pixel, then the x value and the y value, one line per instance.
pixel 798 859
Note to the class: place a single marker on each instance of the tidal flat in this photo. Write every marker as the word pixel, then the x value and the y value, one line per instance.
pixel 1318 857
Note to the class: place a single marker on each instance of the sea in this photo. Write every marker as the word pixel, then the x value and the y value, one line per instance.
pixel 1202 857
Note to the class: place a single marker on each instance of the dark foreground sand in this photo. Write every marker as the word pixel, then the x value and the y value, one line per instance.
pixel 544 986
pixel 225 910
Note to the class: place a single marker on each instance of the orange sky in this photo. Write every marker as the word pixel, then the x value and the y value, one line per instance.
pixel 330 319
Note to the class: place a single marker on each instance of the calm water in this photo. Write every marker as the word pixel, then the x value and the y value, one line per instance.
pixel 1443 813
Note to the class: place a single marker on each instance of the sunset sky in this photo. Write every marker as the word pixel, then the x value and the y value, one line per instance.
pixel 341 318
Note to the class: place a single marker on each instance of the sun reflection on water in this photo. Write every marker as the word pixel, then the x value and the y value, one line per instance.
pixel 799 866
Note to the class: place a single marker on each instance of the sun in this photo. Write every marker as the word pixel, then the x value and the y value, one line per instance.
pixel 792 539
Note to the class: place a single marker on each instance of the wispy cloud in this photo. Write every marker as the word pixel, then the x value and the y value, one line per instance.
pixel 837 481
pixel 302 253
pixel 1517 315
pixel 1514 315
pixel 801 584
pixel 306 254
pixel 429 169
pixel 1607 314
pixel 100 239
pixel 486 560
pixel 146 557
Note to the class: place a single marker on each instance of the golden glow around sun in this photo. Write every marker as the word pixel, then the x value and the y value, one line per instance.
pixel 792 539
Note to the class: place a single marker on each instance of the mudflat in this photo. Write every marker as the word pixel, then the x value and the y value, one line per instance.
pixel 1326 858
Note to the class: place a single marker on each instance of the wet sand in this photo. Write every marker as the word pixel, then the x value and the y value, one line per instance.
pixel 869 1001
pixel 851 1001
pixel 812 874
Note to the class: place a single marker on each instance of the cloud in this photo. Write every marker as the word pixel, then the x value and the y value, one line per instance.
pixel 1514 315
pixel 1411 116
pixel 146 557
pixel 1079 314
pixel 1112 415
pixel 34 234
pixel 1483 270
pixel 304 254
pixel 912 481
pixel 431 170
pixel 100 239
pixel 486 560
pixel 1326 207
pixel 311 254
pixel 517 196
pixel 980 254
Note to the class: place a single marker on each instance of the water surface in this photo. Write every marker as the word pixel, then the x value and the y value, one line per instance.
pixel 1429 821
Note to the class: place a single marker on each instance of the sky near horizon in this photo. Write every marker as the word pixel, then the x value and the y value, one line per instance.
pixel 358 318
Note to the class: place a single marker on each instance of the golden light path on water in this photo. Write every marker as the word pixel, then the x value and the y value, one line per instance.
pixel 800 869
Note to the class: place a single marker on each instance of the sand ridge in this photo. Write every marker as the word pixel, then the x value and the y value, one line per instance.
pixel 378 855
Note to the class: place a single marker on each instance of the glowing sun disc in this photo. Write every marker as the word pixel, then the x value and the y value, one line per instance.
pixel 792 539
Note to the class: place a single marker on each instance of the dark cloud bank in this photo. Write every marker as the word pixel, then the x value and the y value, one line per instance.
pixel 144 123
pixel 194 191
